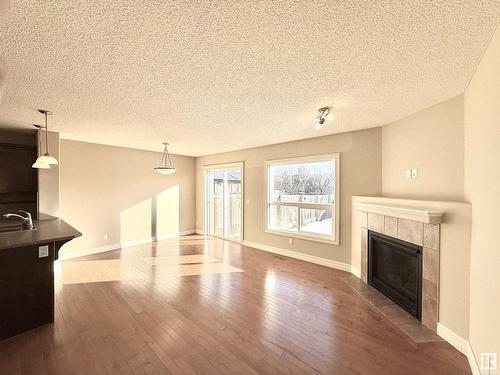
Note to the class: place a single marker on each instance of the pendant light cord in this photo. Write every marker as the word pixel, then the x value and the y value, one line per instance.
pixel 165 158
pixel 46 136
pixel 39 142
pixel 168 155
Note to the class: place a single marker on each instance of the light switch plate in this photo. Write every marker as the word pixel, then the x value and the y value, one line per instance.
pixel 43 251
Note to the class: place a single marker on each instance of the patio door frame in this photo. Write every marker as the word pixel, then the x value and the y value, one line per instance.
pixel 206 200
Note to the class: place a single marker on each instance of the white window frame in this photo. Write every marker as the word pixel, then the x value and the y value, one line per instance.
pixel 335 237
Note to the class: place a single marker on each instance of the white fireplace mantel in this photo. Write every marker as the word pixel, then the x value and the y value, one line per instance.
pixel 409 213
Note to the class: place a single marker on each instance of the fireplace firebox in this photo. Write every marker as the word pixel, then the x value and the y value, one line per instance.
pixel 395 269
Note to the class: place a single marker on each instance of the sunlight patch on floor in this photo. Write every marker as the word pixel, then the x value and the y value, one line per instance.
pixel 92 271
pixel 179 259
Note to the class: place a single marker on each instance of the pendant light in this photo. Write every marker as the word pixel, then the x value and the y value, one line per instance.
pixel 38 164
pixel 166 166
pixel 46 158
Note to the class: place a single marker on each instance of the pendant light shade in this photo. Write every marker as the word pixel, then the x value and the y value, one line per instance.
pixel 166 166
pixel 39 164
pixel 46 158
pixel 165 170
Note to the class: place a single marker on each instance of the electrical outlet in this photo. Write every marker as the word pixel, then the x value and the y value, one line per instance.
pixel 488 361
pixel 43 251
pixel 105 237
pixel 290 241
pixel 408 173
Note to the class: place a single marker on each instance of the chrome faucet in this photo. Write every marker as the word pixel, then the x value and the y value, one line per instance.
pixel 27 221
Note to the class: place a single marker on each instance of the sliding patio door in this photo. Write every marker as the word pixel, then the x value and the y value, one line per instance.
pixel 223 201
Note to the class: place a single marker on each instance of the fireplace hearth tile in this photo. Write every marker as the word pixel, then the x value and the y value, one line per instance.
pixel 430 265
pixel 391 226
pixel 364 219
pixel 354 282
pixel 429 313
pixel 411 231
pixel 431 236
pixel 419 333
pixel 376 299
pixel 429 289
pixel 364 254
pixel 396 315
pixel 376 222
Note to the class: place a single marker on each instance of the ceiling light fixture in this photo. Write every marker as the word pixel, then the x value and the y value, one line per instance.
pixel 46 158
pixel 322 115
pixel 166 166
pixel 38 164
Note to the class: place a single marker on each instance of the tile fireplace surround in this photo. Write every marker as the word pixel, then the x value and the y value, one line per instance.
pixel 414 225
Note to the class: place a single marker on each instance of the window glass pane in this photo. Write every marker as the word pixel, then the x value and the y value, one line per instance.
pixel 316 221
pixel 233 204
pixel 216 204
pixel 284 218
pixel 308 182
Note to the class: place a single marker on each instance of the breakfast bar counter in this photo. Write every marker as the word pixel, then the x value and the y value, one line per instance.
pixel 27 275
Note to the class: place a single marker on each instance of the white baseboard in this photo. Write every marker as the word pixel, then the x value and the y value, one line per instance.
pixel 305 257
pixel 455 340
pixel 120 245
pixel 472 360
pixel 199 231
pixel 137 242
pixel 81 253
pixel 461 344
pixel 356 272
pixel 166 236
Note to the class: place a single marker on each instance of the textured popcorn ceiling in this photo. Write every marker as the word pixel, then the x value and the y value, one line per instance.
pixel 4 6
pixel 218 76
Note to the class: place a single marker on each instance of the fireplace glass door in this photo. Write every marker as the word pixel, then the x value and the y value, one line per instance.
pixel 395 269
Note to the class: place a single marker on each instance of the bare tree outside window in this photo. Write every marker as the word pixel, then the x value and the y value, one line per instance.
pixel 302 196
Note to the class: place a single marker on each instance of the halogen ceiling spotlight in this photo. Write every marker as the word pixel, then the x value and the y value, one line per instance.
pixel 322 115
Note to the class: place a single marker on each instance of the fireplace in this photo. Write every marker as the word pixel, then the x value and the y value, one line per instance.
pixel 395 269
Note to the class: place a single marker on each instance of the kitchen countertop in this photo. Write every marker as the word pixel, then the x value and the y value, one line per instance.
pixel 50 230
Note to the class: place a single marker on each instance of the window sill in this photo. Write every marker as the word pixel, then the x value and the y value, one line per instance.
pixel 312 238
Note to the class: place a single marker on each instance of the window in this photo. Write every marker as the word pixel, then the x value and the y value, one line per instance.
pixel 302 197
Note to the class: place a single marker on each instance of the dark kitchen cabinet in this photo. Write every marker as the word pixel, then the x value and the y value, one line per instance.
pixel 18 180
pixel 26 289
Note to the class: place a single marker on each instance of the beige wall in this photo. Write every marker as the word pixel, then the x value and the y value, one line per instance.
pixel 432 141
pixel 454 256
pixel 115 191
pixel 482 189
pixel 360 159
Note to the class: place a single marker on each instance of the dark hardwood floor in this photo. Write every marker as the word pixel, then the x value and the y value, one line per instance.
pixel 164 308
